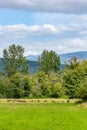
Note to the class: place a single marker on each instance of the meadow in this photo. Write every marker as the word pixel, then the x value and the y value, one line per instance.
pixel 24 115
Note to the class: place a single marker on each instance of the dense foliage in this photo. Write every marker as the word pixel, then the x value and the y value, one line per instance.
pixel 49 61
pixel 49 81
pixel 14 61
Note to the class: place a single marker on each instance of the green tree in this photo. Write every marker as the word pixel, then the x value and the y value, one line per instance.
pixel 49 61
pixel 20 85
pixel 50 84
pixel 4 86
pixel 58 90
pixel 73 77
pixel 44 84
pixel 14 61
pixel 82 89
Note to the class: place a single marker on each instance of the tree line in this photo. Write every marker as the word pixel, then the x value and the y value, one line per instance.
pixel 50 80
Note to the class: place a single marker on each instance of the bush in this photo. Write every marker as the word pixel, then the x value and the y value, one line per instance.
pixel 82 90
pixel 58 90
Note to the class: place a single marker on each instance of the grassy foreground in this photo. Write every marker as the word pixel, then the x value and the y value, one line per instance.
pixel 42 116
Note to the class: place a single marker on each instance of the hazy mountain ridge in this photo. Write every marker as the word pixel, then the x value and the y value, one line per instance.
pixel 32 57
pixel 81 55
pixel 33 65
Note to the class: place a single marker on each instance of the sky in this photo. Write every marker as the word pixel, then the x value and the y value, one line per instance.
pixel 58 25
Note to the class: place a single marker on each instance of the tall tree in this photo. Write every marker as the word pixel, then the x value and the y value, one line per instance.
pixel 49 61
pixel 14 61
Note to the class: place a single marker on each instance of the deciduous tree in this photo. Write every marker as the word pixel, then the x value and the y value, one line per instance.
pixel 14 61
pixel 49 61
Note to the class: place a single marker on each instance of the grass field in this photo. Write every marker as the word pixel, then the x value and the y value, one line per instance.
pixel 42 116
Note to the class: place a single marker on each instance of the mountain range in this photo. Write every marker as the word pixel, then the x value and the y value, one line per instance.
pixel 33 65
pixel 81 55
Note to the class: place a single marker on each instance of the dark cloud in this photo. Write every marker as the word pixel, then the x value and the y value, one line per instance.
pixel 60 6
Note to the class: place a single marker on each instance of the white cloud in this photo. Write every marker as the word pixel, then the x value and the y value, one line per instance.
pixel 70 38
pixel 60 47
pixel 23 31
pixel 60 6
pixel 19 31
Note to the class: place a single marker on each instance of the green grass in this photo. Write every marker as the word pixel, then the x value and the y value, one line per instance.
pixel 44 116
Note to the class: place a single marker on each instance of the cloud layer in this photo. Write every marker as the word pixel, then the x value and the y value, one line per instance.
pixel 60 6
pixel 60 47
pixel 36 38
pixel 18 31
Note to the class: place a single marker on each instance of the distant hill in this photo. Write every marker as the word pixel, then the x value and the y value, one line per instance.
pixel 33 65
pixel 32 57
pixel 81 55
